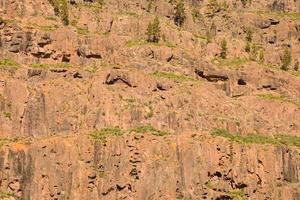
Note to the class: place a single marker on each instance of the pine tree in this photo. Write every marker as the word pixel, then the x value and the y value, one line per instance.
pixel 286 59
pixel 179 13
pixel 61 9
pixel 296 67
pixel 261 56
pixel 248 47
pixel 249 35
pixel 153 31
pixel 253 52
pixel 223 49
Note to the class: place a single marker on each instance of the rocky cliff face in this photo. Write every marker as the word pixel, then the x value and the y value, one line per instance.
pixel 89 109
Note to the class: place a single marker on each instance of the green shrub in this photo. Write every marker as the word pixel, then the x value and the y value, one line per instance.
pixel 61 9
pixel 223 46
pixel 196 14
pixel 105 132
pixel 285 59
pixel 153 31
pixel 179 13
pixel 244 2
pixel 237 194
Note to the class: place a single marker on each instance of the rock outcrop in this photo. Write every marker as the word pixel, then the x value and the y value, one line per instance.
pixel 90 109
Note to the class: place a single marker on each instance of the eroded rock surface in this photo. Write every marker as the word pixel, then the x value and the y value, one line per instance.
pixel 71 73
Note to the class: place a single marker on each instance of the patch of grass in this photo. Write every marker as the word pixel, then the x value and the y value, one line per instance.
pixel 209 185
pixel 8 21
pixel 202 37
pixel 82 31
pixel 258 139
pixel 277 68
pixel 2 20
pixel 249 139
pixel 149 114
pixel 7 115
pixel 4 141
pixel 105 132
pixel 295 73
pixel 133 43
pixel 288 15
pixel 50 66
pixel 44 28
pixel 271 97
pixel 91 69
pixel 8 63
pixel 172 75
pixel 229 62
pixel 95 6
pixel 5 195
pixel 288 140
pixel 47 28
pixel 127 13
pixel 167 44
pixel 50 18
pixel 136 42
pixel 98 171
pixel 148 129
pixel 237 194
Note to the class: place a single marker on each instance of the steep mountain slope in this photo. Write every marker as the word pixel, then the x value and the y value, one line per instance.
pixel 91 107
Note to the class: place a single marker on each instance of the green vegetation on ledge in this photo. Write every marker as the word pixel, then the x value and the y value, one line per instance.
pixel 8 63
pixel 5 195
pixel 105 132
pixel 237 194
pixel 258 139
pixel 6 140
pixel 272 97
pixel 288 15
pixel 148 129
pixel 50 66
pixel 229 62
pixel 172 75
pixel 134 43
pixel 116 131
